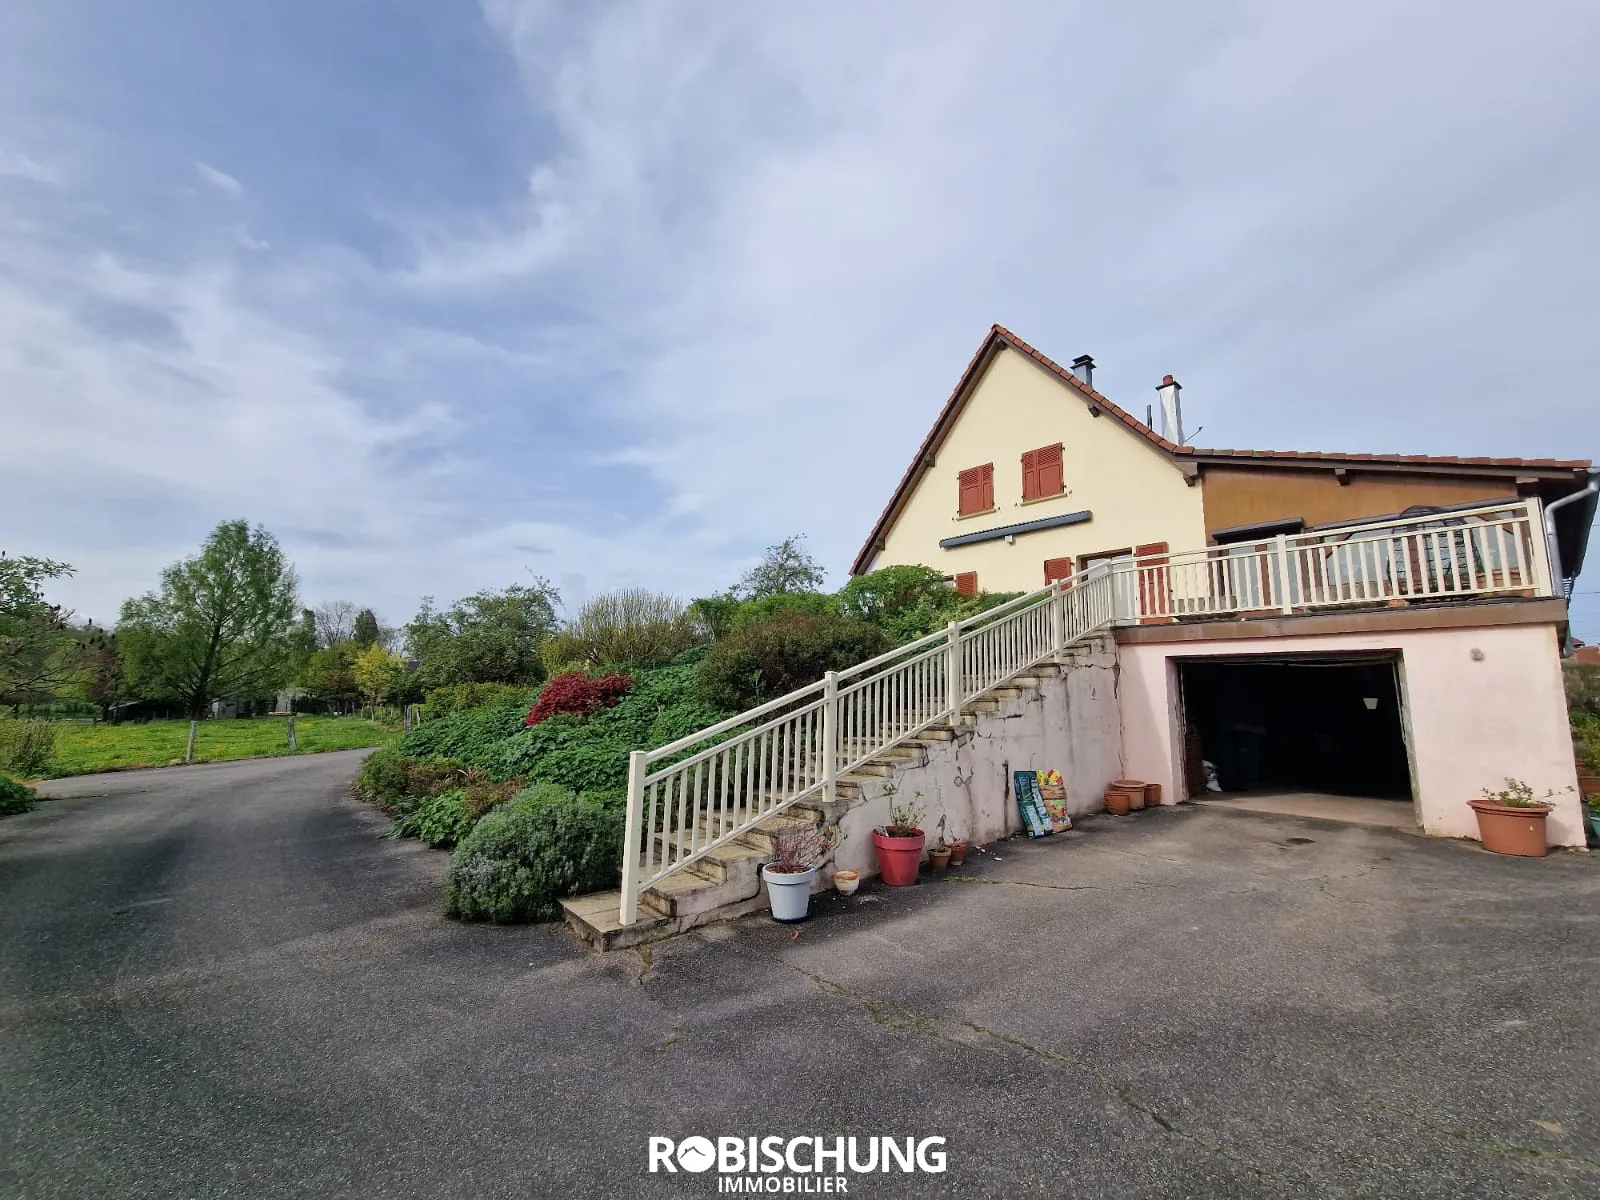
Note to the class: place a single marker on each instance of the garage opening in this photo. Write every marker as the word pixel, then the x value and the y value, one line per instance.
pixel 1298 726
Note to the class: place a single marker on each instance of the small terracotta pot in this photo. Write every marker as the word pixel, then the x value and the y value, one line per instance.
pixel 1588 785
pixel 847 882
pixel 1127 783
pixel 958 853
pixel 1507 830
pixel 1152 795
pixel 1135 797
pixel 1117 801
pixel 939 857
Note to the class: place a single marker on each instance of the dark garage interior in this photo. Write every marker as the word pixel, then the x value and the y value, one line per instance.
pixel 1325 725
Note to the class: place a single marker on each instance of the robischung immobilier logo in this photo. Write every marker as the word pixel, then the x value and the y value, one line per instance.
pixel 804 1165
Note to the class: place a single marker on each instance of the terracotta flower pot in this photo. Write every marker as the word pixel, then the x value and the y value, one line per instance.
pixel 939 857
pixel 958 853
pixel 1127 783
pixel 1117 801
pixel 847 882
pixel 1507 830
pixel 1588 785
pixel 1152 795
pixel 1135 797
pixel 899 857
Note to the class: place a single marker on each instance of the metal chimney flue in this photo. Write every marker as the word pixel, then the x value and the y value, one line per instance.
pixel 1171 410
pixel 1083 368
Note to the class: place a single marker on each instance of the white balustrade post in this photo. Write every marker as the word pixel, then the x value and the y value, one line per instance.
pixel 830 736
pixel 630 838
pixel 1544 582
pixel 1285 592
pixel 952 670
pixel 1058 619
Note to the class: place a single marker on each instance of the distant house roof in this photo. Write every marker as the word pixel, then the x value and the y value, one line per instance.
pixel 1001 338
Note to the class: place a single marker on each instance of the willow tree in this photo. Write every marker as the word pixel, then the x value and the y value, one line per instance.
pixel 221 625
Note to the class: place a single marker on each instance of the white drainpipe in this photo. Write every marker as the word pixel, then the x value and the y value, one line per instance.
pixel 1556 568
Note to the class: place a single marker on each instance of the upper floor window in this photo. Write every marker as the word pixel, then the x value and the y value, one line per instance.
pixel 1041 473
pixel 977 490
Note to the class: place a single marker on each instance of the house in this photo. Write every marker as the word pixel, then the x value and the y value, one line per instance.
pixel 1372 638
pixel 1030 474
pixel 1369 625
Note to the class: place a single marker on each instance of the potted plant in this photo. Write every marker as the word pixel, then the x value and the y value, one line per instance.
pixel 899 843
pixel 1118 801
pixel 1511 821
pixel 958 852
pixel 939 853
pixel 796 856
pixel 1591 819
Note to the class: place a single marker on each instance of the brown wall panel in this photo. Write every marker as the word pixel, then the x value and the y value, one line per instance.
pixel 1237 496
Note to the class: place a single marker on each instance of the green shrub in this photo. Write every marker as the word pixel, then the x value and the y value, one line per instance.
pixel 632 627
pixel 472 734
pixel 26 747
pixel 480 795
pixel 752 612
pixel 1583 689
pixel 441 820
pixel 465 697
pixel 398 783
pixel 14 797
pixel 713 615
pixel 905 602
pixel 591 753
pixel 522 858
pixel 778 655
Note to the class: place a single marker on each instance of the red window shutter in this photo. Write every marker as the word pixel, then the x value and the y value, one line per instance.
pixel 1030 476
pixel 1150 548
pixel 967 583
pixel 977 490
pixel 971 492
pixel 1051 480
pixel 1057 568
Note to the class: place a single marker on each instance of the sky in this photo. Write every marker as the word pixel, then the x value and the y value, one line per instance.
pixel 448 294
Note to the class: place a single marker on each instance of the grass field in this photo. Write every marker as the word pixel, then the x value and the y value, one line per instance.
pixel 85 749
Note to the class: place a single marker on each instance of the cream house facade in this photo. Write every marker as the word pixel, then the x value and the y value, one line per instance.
pixel 1117 490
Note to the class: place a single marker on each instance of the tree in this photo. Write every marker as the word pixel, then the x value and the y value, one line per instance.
pixel 379 673
pixel 220 625
pixel 784 568
pixel 366 632
pixel 329 675
pixel 335 622
pixel 39 652
pixel 105 681
pixel 492 637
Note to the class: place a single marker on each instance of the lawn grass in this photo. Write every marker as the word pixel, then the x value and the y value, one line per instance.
pixel 85 749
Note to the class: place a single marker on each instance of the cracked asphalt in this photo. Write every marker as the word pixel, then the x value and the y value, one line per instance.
pixel 223 981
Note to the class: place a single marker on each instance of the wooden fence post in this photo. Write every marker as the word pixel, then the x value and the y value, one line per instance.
pixel 194 728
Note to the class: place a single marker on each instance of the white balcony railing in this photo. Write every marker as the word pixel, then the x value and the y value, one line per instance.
pixel 700 792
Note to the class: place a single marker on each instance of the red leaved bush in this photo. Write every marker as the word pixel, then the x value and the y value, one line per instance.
pixel 579 695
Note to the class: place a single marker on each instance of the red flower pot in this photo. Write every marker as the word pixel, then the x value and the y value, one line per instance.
pixel 899 858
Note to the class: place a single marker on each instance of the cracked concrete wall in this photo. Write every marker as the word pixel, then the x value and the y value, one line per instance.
pixel 1070 724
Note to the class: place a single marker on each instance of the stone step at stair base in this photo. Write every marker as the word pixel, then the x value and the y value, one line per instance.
pixel 594 919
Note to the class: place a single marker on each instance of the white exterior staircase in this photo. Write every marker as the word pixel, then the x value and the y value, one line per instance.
pixel 702 811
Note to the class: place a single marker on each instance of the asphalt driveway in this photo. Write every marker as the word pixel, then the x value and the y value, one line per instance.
pixel 222 981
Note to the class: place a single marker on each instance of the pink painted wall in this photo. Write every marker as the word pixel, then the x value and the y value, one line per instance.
pixel 1472 719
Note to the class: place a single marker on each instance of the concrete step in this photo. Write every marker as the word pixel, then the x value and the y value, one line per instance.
pixel 689 893
pixel 594 919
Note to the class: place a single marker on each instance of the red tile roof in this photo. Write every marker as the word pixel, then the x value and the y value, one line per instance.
pixel 1000 338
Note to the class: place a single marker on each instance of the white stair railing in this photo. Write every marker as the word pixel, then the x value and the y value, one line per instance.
pixel 689 797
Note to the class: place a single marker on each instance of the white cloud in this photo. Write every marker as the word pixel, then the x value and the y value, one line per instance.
pixel 755 246
pixel 220 180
